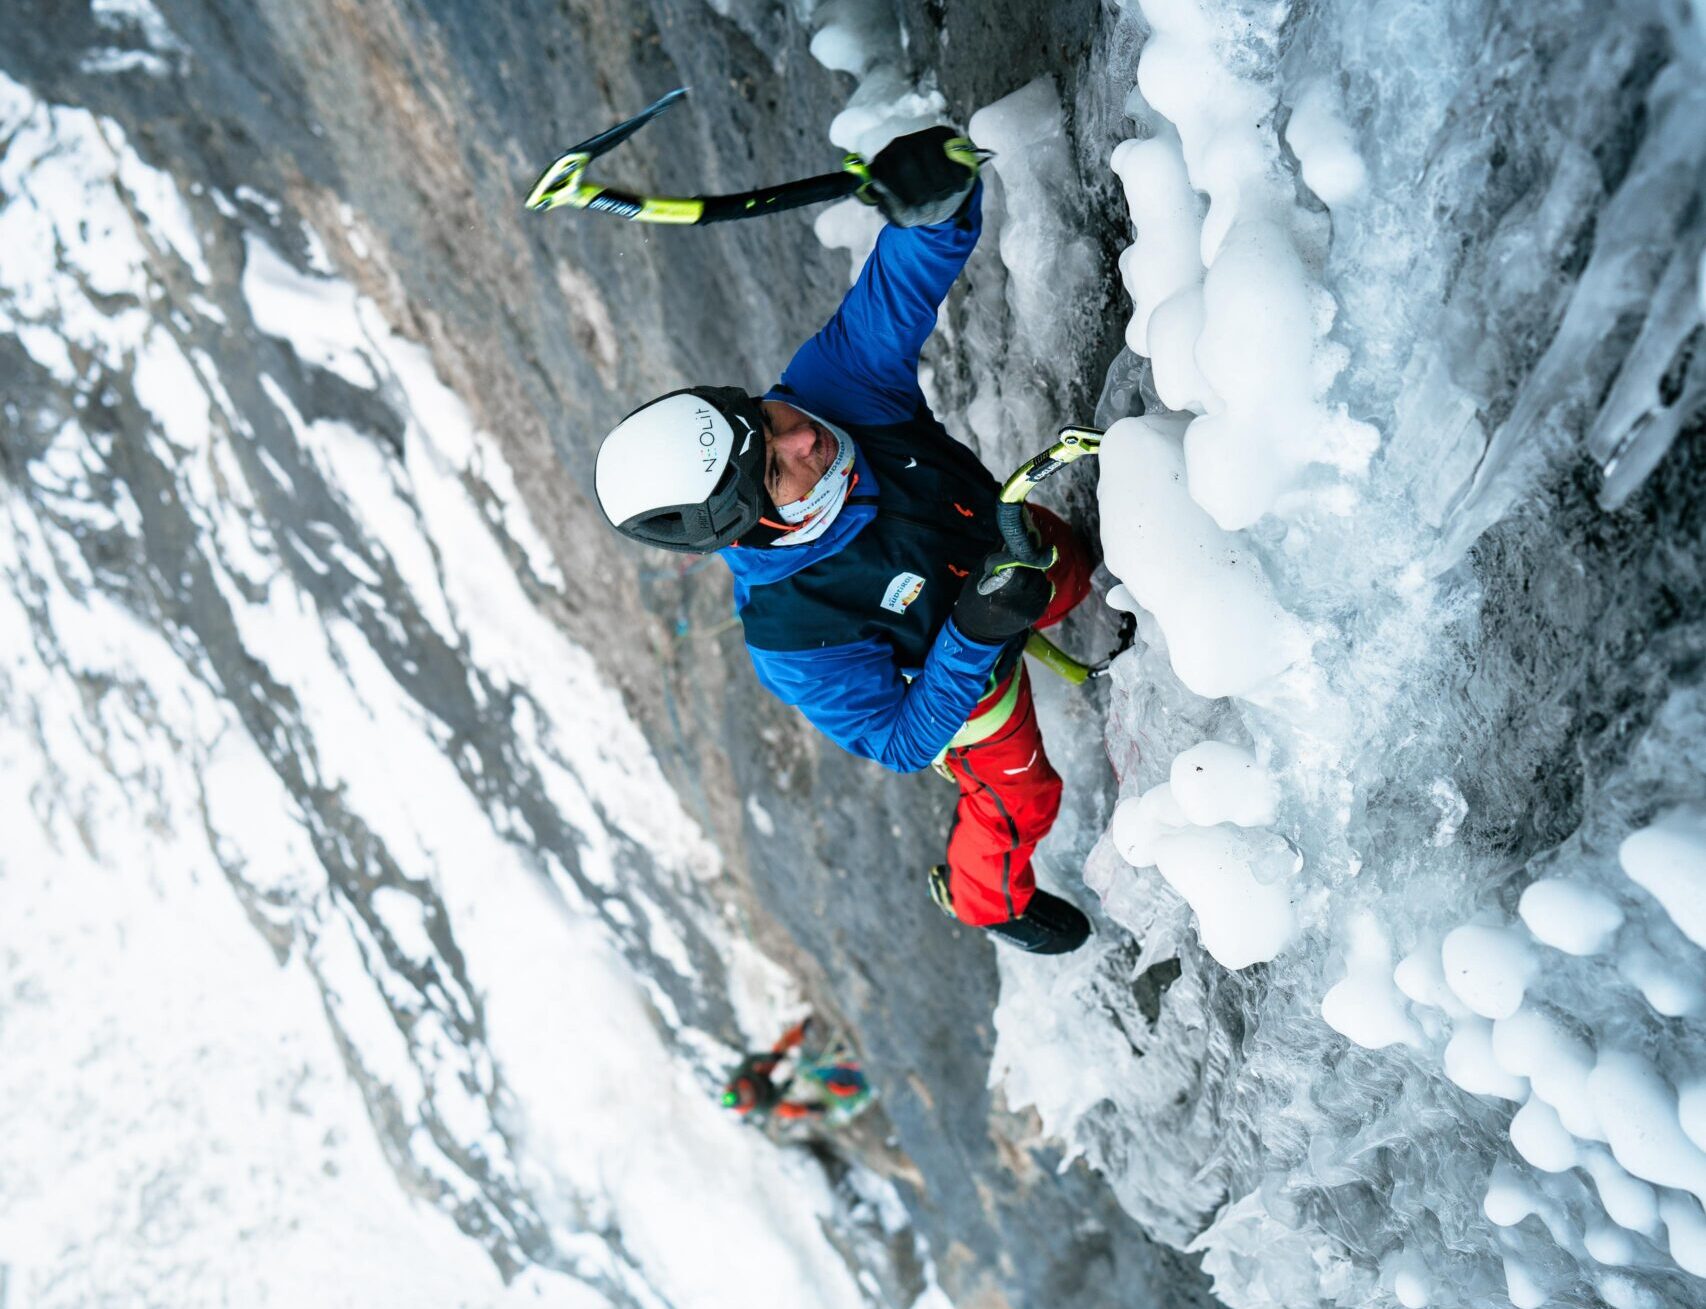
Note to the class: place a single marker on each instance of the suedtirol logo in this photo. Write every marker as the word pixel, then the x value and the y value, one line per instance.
pixel 903 589
pixel 707 438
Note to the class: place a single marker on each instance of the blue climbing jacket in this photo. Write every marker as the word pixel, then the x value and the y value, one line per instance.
pixel 854 628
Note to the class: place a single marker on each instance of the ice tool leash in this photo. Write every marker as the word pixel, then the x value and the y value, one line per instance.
pixel 565 183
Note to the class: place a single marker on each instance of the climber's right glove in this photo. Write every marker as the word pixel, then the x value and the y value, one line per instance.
pixel 1006 598
pixel 923 177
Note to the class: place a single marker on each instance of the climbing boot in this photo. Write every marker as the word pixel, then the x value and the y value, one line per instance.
pixel 1049 925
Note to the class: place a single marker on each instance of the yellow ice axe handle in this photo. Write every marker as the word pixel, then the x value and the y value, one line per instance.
pixel 1072 443
pixel 565 185
pixel 1056 660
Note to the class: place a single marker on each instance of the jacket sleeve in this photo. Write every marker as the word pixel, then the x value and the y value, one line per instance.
pixel 854 694
pixel 863 366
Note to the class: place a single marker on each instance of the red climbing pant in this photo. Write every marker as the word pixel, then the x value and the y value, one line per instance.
pixel 1009 792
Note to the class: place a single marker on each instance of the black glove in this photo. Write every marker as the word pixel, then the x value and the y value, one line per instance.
pixel 922 178
pixel 1004 601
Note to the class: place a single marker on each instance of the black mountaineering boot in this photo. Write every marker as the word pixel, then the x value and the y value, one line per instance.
pixel 1049 925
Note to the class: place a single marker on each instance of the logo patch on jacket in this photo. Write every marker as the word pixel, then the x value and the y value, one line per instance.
pixel 905 588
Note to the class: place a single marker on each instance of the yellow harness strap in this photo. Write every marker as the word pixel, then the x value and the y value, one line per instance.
pixel 991 720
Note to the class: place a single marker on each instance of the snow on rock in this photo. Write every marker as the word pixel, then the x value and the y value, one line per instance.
pixel 1226 633
pixel 765 996
pixel 1366 1007
pixel 1140 821
pixel 1253 356
pixel 1405 1272
pixel 128 20
pixel 1470 1062
pixel 1673 988
pixel 320 317
pixel 1238 881
pixel 1609 1244
pixel 852 35
pixel 1570 915
pixel 1047 263
pixel 1488 968
pixel 1163 270
pixel 1218 783
pixel 1638 1109
pixel 1668 860
pixel 1325 149
pixel 1685 1224
pixel 1524 1283
pixel 1509 1198
pixel 1541 1139
pixel 1691 1110
pixel 1540 1045
pixel 1261 350
pixel 1629 1202
pixel 1421 976
pixel 267 1170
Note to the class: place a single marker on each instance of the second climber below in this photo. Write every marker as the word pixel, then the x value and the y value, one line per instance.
pixel 864 547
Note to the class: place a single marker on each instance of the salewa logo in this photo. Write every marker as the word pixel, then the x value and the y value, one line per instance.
pixel 746 423
pixel 902 591
pixel 911 462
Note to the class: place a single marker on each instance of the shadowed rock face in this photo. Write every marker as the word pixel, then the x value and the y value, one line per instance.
pixel 405 134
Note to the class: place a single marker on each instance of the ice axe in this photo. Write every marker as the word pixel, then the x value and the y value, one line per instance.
pixel 565 184
pixel 1071 444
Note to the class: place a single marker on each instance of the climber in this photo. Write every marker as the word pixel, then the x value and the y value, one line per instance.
pixel 869 574
pixel 813 1087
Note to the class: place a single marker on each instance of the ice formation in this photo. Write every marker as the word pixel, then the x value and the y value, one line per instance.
pixel 1202 830
pixel 1488 968
pixel 1226 633
pixel 1219 783
pixel 1509 1112
pixel 1470 1062
pixel 1546 1049
pixel 1325 146
pixel 1570 915
pixel 1668 860
pixel 1324 203
pixel 1366 1006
